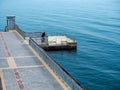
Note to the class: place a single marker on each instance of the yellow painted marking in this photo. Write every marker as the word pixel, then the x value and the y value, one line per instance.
pixel 11 30
pixel 26 41
pixel 11 62
pixel 2 80
pixel 19 35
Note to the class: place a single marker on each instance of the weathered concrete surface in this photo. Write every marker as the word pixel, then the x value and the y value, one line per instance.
pixel 21 69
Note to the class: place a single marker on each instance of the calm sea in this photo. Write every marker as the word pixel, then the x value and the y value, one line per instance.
pixel 94 24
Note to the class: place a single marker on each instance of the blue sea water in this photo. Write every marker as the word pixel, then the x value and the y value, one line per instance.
pixel 94 24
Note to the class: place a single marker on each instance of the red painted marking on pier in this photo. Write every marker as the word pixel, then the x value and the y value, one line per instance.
pixel 5 45
pixel 19 80
pixel 16 73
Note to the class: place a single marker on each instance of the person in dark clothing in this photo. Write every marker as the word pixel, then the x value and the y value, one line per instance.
pixel 43 37
pixel 43 34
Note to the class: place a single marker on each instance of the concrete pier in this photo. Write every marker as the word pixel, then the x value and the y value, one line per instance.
pixel 21 68
pixel 24 65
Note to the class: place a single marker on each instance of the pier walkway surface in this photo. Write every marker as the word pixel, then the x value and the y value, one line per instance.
pixel 21 67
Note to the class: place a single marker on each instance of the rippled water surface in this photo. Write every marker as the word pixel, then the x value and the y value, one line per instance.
pixel 94 24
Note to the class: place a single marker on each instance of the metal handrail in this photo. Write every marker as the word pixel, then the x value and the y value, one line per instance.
pixel 6 29
pixel 27 34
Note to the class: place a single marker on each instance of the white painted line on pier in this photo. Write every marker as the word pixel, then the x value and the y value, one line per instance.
pixel 20 67
pixel 33 66
pixel 24 56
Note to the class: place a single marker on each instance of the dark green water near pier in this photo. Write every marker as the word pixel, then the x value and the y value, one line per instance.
pixel 94 24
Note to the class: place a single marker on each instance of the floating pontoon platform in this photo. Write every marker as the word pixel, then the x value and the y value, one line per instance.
pixel 57 43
